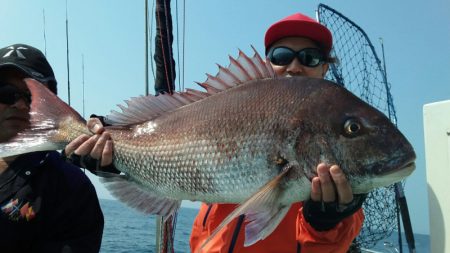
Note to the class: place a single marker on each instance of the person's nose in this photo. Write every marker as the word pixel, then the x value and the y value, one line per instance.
pixel 295 68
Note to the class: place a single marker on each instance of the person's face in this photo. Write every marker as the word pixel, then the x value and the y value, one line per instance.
pixel 13 117
pixel 295 68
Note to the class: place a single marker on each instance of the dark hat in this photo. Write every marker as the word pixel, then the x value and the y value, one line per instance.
pixel 29 60
pixel 299 25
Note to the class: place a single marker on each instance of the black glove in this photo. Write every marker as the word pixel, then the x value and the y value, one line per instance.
pixel 91 164
pixel 101 118
pixel 325 216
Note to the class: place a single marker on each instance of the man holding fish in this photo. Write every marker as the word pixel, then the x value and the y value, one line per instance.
pixel 46 204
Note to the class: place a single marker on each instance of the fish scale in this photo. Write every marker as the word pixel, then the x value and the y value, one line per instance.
pixel 202 141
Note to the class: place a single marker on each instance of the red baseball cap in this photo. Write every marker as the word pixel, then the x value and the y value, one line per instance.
pixel 299 25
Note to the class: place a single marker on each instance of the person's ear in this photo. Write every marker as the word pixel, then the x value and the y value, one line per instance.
pixel 325 67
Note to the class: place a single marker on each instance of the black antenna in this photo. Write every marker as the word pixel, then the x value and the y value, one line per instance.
pixel 45 39
pixel 67 48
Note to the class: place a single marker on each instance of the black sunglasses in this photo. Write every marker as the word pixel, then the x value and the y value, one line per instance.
pixel 10 94
pixel 282 56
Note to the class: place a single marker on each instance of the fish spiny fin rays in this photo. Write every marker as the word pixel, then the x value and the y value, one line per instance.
pixel 50 120
pixel 145 108
pixel 134 196
pixel 262 211
pixel 239 71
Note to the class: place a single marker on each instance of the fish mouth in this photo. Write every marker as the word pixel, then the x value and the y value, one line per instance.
pixel 405 170
pixel 368 183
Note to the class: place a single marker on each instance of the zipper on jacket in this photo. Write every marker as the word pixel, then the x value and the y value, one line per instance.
pixel 236 233
pixel 206 215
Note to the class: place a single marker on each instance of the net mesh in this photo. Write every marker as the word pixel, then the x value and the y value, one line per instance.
pixel 359 69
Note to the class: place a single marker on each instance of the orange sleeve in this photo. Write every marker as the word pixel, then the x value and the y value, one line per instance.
pixel 335 240
pixel 205 223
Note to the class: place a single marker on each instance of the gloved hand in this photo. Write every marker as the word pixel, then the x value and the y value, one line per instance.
pixel 325 216
pixel 332 199
pixel 92 152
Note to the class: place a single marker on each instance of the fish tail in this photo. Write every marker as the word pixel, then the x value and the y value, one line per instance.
pixel 53 124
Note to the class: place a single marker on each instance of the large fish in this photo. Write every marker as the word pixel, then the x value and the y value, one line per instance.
pixel 251 138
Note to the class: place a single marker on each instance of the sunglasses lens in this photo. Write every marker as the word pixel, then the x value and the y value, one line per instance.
pixel 281 56
pixel 310 57
pixel 10 94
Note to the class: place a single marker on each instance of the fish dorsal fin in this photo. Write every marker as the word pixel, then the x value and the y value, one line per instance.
pixel 240 70
pixel 144 108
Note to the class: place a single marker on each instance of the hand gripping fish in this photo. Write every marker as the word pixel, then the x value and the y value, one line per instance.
pixel 252 138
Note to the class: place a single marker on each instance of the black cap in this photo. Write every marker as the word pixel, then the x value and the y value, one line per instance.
pixel 29 60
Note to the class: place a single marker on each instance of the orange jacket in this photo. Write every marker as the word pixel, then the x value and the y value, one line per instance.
pixel 293 234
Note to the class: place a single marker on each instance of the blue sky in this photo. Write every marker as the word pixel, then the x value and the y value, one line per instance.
pixel 109 34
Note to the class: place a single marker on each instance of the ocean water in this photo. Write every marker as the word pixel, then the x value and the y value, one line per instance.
pixel 421 242
pixel 127 230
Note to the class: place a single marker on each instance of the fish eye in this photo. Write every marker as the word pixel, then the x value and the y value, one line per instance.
pixel 352 127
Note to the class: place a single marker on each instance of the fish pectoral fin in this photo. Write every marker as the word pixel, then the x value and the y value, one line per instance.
pixel 262 211
pixel 262 224
pixel 132 194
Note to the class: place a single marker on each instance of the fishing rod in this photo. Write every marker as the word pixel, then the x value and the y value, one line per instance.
pixel 45 38
pixel 146 47
pixel 82 72
pixel 67 55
